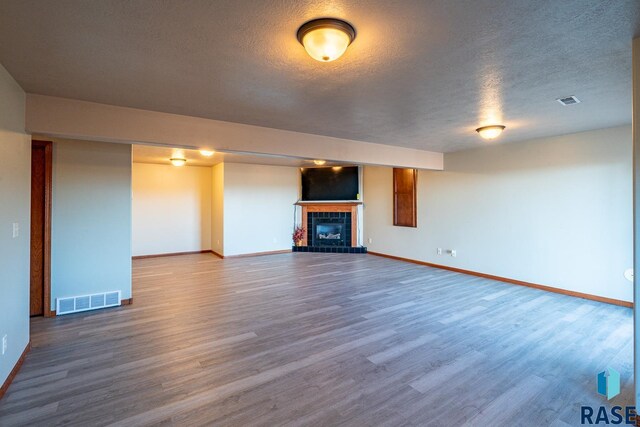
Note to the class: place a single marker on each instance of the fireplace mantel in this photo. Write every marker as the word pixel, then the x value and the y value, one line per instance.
pixel 329 203
pixel 332 206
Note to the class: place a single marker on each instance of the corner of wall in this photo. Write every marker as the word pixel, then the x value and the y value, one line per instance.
pixel 217 208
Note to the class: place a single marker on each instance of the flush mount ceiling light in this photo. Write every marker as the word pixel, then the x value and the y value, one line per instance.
pixel 319 162
pixel 176 161
pixel 207 153
pixel 490 132
pixel 326 39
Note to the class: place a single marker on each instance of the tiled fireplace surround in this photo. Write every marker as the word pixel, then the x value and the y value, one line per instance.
pixel 343 213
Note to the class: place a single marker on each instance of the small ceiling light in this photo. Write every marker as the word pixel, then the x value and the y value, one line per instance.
pixel 337 168
pixel 207 153
pixel 175 161
pixel 319 162
pixel 490 132
pixel 326 39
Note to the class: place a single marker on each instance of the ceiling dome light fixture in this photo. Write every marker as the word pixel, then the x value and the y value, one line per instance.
pixel 490 132
pixel 326 39
pixel 207 153
pixel 319 162
pixel 175 161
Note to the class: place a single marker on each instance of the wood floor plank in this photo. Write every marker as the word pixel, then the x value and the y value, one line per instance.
pixel 503 410
pixel 320 339
pixel 400 349
pixel 442 374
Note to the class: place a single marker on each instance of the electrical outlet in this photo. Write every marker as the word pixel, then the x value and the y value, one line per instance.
pixel 370 240
pixel 4 345
pixel 16 229
pixel 454 253
pixel 439 251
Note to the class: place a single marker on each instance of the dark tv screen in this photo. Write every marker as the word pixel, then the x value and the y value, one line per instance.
pixel 330 183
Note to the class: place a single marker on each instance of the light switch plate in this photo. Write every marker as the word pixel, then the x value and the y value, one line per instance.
pixel 16 229
pixel 4 345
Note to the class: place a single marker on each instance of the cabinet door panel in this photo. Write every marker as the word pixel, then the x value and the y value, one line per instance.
pixel 404 197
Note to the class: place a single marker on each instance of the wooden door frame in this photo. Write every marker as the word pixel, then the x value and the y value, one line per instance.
pixel 48 167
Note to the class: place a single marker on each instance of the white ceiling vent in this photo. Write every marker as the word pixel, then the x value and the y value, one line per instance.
pixel 87 302
pixel 568 100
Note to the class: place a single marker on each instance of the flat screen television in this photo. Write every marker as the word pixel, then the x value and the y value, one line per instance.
pixel 330 183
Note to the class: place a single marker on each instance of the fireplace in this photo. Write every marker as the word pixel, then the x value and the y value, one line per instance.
pixel 330 227
pixel 329 235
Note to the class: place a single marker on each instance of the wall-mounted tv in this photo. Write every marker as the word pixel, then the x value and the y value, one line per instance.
pixel 330 183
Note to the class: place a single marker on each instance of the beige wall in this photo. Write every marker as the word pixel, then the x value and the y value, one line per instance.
pixel 90 219
pixel 258 207
pixel 171 209
pixel 555 211
pixel 230 208
pixel 15 199
pixel 217 209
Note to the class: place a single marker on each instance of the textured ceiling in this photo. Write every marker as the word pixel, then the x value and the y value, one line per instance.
pixel 161 155
pixel 420 74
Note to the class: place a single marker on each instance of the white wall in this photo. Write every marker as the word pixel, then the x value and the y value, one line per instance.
pixel 91 219
pixel 217 209
pixel 15 200
pixel 555 211
pixel 171 209
pixel 258 207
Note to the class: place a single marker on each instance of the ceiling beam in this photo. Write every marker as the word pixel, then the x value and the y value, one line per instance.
pixel 68 118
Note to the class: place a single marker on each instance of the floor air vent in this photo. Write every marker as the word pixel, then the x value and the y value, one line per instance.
pixel 87 302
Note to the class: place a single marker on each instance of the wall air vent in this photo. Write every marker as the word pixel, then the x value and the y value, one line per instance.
pixel 87 302
pixel 568 100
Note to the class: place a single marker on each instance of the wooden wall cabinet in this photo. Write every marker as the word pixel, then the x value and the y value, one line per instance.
pixel 404 197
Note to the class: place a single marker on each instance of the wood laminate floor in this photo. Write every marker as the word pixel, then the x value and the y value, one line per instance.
pixel 321 339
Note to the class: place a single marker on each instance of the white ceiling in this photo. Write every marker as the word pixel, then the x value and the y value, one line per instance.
pixel 161 155
pixel 420 74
